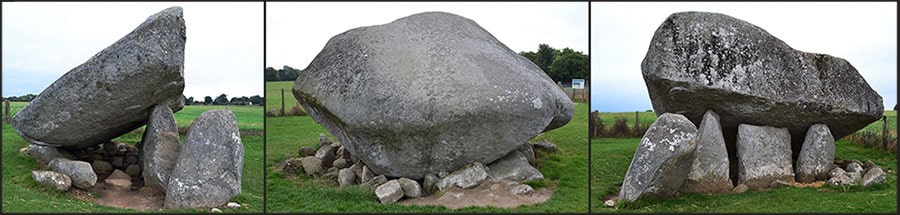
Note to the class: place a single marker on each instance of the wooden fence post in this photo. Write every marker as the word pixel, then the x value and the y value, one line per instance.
pixel 636 120
pixel 884 132
pixel 8 116
pixel 282 102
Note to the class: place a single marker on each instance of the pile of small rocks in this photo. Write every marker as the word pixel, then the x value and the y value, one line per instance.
pixel 853 172
pixel 334 163
pixel 117 164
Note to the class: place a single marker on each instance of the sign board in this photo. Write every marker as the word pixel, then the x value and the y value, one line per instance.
pixel 577 83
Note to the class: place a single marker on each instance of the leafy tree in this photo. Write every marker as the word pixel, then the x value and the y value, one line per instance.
pixel 189 100
pixel 530 55
pixel 257 100
pixel 545 57
pixel 271 74
pixel 25 98
pixel 288 74
pixel 569 64
pixel 221 100
pixel 207 100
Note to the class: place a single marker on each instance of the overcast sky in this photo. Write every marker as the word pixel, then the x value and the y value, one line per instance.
pixel 865 34
pixel 42 41
pixel 297 31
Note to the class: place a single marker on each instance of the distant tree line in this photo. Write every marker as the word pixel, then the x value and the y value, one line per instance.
pixel 286 73
pixel 25 98
pixel 223 100
pixel 561 65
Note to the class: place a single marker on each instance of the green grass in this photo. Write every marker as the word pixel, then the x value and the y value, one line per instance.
pixel 610 158
pixel 22 194
pixel 273 94
pixel 567 169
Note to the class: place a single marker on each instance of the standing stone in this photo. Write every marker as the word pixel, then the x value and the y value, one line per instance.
pixel 709 170
pixel 411 188
pixel 662 160
pixel 389 192
pixel 159 149
pixel 468 177
pixel 113 92
pixel 208 170
pixel 81 173
pixel 427 93
pixel 698 61
pixel 514 167
pixel 52 179
pixel 816 155
pixel 764 156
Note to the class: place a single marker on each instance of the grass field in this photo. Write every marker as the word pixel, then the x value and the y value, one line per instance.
pixel 610 158
pixel 567 168
pixel 273 94
pixel 22 194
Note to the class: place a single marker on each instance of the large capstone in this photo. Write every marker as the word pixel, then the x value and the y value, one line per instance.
pixel 764 156
pixel 159 148
pixel 428 93
pixel 114 91
pixel 698 61
pixel 709 169
pixel 662 160
pixel 817 155
pixel 208 170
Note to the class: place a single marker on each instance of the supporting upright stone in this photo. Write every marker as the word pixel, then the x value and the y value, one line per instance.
pixel 816 156
pixel 662 159
pixel 764 156
pixel 709 170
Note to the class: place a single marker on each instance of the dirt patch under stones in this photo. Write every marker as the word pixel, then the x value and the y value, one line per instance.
pixel 490 193
pixel 105 195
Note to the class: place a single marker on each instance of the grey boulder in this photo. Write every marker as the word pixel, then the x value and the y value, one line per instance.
pixel 662 160
pixel 208 170
pixel 346 177
pixel 47 153
pixel 159 148
pixel 698 61
pixel 873 176
pixel 427 93
pixel 816 156
pixel 467 177
pixel 114 91
pixel 389 192
pixel 515 167
pixel 81 173
pixel 411 188
pixel 764 156
pixel 59 181
pixel 709 170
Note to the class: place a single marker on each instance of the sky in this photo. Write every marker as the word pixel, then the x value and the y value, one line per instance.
pixel 297 31
pixel 865 34
pixel 44 40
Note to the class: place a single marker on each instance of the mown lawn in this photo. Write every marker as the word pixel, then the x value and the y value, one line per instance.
pixel 22 194
pixel 610 158
pixel 273 94
pixel 567 169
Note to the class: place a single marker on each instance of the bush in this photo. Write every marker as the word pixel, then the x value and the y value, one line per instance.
pixel 620 128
